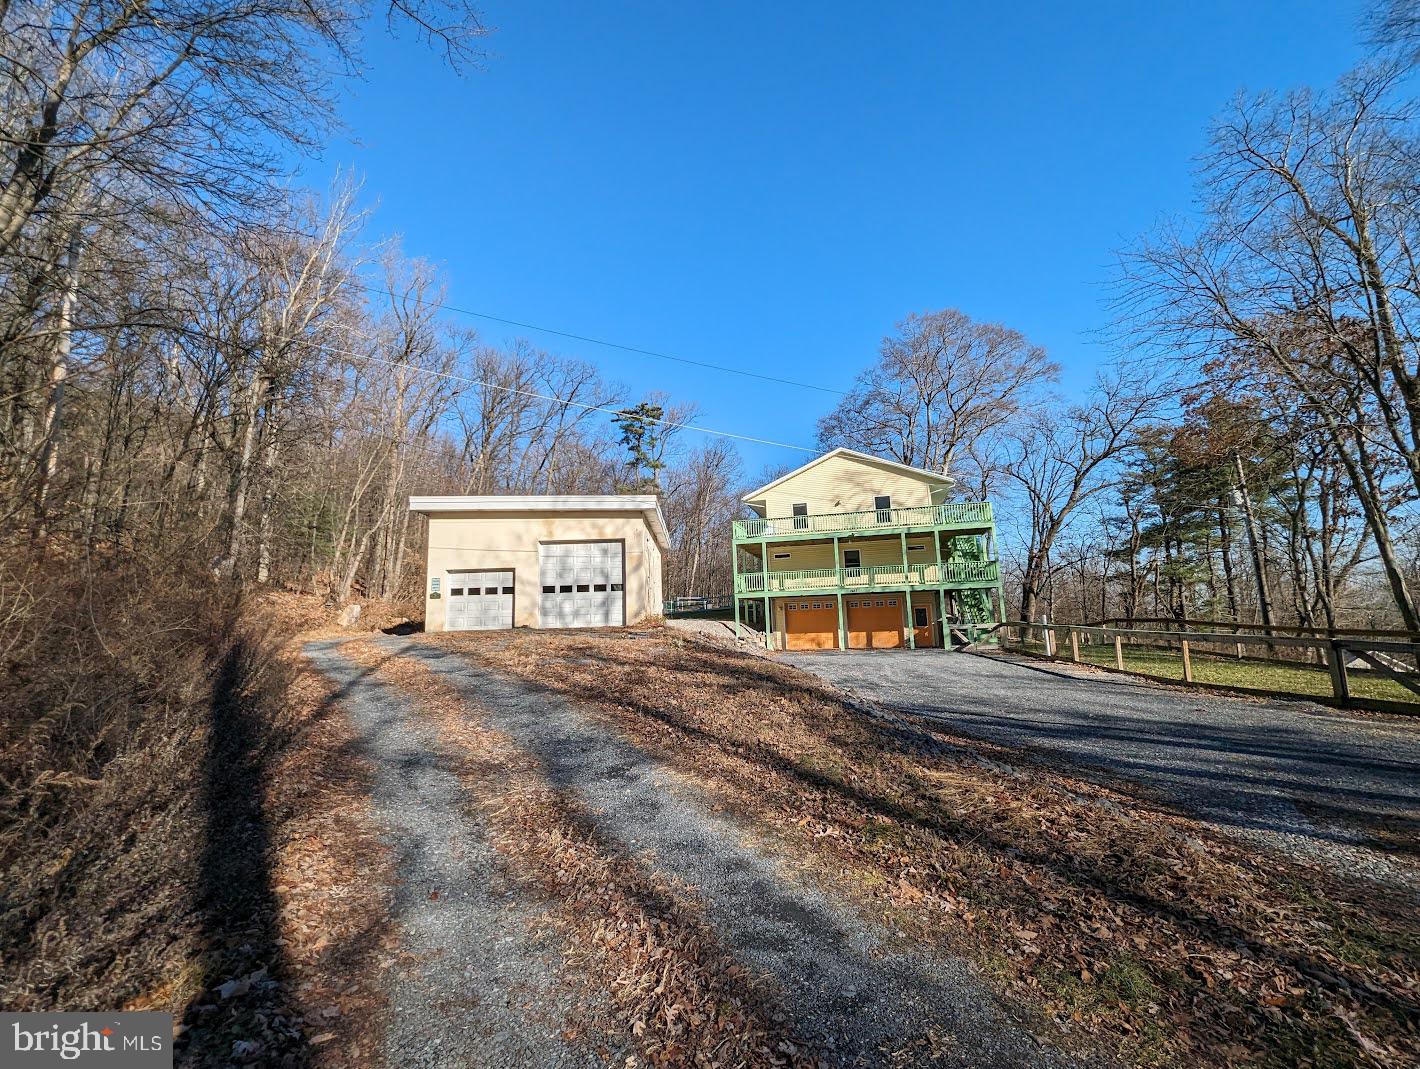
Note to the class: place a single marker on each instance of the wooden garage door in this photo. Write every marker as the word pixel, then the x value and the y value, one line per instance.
pixel 874 623
pixel 810 624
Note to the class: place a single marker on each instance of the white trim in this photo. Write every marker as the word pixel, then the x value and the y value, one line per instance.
pixel 648 504
pixel 843 451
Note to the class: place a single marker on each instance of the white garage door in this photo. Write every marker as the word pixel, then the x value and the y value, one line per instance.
pixel 581 584
pixel 479 601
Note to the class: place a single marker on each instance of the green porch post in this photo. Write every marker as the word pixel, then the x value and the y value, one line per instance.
pixel 735 584
pixel 764 575
pixel 907 594
pixel 941 590
pixel 838 570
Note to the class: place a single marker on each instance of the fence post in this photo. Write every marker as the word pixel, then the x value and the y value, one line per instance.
pixel 1336 662
pixel 1074 645
pixel 1049 641
pixel 1118 652
pixel 1187 662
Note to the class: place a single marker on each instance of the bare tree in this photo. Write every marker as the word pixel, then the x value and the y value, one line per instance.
pixel 943 388
pixel 1061 461
pixel 1305 262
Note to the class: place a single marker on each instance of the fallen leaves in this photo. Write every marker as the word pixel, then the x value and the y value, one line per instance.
pixel 1115 915
pixel 672 988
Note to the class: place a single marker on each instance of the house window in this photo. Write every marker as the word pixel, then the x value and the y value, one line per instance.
pixel 884 506
pixel 801 516
pixel 915 549
pixel 852 558
pixel 781 556
pixel 919 616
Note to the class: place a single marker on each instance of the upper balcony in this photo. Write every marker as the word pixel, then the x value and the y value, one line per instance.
pixel 953 515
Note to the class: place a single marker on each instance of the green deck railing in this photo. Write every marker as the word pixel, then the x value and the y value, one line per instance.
pixel 960 514
pixel 869 577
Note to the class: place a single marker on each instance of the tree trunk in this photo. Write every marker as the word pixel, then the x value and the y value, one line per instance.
pixel 241 480
pixel 58 376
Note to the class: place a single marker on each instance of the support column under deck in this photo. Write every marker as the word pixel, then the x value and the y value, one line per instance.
pixel 842 628
pixel 907 596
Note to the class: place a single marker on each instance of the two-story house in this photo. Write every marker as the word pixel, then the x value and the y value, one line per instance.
pixel 854 552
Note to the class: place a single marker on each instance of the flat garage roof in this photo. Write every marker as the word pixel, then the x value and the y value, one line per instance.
pixel 647 504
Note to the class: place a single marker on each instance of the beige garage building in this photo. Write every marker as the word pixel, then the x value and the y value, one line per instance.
pixel 553 561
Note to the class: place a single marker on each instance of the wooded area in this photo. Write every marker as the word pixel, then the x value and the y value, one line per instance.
pixel 199 362
pixel 218 388
pixel 1252 454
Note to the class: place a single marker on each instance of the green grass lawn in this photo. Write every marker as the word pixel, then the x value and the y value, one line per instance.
pixel 1251 673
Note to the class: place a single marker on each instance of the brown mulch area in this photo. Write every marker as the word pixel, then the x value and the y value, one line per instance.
pixel 1128 925
pixel 664 984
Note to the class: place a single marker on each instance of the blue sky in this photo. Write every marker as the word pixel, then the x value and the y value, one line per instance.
pixel 772 186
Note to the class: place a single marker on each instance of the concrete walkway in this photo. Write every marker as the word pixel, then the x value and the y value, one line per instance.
pixel 1308 779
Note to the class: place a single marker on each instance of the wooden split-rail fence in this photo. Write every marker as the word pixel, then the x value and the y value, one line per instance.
pixel 1389 658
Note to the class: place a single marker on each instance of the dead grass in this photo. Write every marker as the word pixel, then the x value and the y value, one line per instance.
pixel 181 827
pixel 309 614
pixel 672 989
pixel 1126 924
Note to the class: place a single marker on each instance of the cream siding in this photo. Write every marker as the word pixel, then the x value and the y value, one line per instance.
pixel 849 484
pixel 872 551
pixel 501 540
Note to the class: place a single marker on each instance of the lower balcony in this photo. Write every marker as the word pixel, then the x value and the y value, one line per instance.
pixel 956 574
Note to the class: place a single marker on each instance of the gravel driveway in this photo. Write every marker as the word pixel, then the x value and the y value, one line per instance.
pixel 472 987
pixel 1301 776
pixel 850 989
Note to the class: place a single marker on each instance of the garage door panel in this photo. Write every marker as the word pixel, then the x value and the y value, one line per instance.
pixel 582 584
pixel 479 600
pixel 874 623
pixel 811 625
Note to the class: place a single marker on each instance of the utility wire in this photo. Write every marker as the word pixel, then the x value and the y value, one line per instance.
pixel 669 424
pixel 385 291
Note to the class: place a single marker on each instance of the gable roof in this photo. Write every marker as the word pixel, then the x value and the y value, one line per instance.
pixel 842 451
pixel 646 504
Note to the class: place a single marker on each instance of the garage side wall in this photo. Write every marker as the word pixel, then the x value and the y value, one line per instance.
pixel 499 540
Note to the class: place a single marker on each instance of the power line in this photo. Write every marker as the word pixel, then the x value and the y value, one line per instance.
pixel 385 291
pixel 669 424
pixel 570 335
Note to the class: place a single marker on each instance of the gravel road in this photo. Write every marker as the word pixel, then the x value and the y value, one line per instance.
pixel 851 992
pixel 1295 774
pixel 472 988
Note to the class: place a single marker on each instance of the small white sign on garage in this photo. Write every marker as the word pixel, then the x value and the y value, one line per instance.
pixel 582 584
